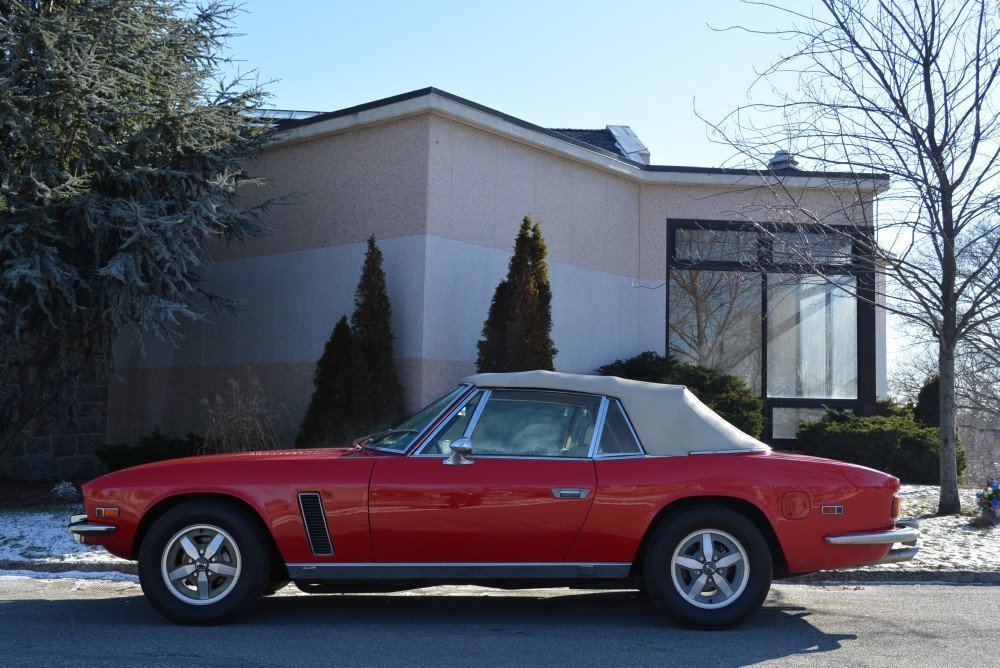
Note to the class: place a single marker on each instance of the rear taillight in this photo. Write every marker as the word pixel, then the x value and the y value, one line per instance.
pixel 897 507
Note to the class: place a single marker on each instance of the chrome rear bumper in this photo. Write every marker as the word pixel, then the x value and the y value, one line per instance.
pixel 906 532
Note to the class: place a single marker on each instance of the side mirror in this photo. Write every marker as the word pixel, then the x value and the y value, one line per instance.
pixel 459 449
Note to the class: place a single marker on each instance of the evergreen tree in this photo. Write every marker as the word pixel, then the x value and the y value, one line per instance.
pixel 121 151
pixel 380 392
pixel 516 333
pixel 928 409
pixel 333 416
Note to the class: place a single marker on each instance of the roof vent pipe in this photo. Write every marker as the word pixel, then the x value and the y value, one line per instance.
pixel 782 160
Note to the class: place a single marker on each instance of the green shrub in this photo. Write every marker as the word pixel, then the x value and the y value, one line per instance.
pixel 152 447
pixel 729 396
pixel 892 442
pixel 928 409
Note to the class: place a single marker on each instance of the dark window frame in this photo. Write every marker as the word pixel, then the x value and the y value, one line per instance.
pixel 862 272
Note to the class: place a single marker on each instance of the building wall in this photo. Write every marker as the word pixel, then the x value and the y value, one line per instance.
pixel 444 197
pixel 446 230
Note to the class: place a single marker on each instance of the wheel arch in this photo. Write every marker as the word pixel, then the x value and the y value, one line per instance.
pixel 278 569
pixel 742 506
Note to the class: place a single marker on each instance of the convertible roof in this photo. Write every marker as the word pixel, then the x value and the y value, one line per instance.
pixel 668 419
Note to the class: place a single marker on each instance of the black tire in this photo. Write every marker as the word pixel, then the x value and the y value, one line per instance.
pixel 204 562
pixel 708 567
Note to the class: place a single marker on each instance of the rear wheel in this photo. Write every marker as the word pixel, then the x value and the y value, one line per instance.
pixel 203 563
pixel 708 567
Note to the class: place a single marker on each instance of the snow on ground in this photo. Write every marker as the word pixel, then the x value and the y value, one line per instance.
pixel 946 543
pixel 43 536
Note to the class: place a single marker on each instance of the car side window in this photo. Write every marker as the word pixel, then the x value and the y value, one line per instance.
pixel 453 429
pixel 617 437
pixel 525 423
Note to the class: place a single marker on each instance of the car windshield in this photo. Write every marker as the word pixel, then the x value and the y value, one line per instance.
pixel 399 438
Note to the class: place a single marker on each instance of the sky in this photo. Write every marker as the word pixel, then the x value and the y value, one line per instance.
pixel 648 64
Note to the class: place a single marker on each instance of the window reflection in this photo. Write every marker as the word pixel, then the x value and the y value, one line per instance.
pixel 715 321
pixel 812 337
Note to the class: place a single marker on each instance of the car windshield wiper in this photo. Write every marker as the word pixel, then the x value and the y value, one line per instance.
pixel 368 440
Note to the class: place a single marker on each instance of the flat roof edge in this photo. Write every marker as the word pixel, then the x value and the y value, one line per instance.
pixel 410 103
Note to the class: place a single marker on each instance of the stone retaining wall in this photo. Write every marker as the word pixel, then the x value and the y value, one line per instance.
pixel 53 449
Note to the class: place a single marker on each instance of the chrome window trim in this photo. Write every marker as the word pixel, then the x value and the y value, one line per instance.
pixel 448 414
pixel 602 414
pixel 417 441
pixel 628 423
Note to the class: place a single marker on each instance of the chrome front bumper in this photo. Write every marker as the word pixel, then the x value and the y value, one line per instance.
pixel 906 532
pixel 80 528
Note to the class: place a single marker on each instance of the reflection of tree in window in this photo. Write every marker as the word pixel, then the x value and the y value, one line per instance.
pixel 715 321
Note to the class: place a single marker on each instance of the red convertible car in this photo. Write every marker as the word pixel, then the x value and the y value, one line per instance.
pixel 513 480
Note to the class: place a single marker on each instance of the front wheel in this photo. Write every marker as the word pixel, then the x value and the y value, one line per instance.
pixel 708 567
pixel 203 563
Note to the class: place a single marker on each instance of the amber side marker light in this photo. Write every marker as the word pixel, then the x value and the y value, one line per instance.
pixel 113 512
pixel 897 507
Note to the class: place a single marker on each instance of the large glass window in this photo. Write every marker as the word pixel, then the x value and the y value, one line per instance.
pixel 812 337
pixel 715 321
pixel 786 421
pixel 787 309
pixel 701 245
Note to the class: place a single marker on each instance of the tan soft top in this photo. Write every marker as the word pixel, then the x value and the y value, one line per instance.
pixel 669 420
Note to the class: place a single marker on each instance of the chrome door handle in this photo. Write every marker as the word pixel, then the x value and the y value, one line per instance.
pixel 570 493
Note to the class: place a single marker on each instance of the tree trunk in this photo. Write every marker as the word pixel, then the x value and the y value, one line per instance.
pixel 949 503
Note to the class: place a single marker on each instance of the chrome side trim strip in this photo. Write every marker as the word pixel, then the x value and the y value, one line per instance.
pixel 457 571
pixel 744 451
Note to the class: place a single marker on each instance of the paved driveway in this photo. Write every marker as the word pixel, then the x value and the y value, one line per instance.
pixel 97 622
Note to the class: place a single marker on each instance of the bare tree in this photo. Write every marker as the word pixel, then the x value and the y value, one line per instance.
pixel 905 88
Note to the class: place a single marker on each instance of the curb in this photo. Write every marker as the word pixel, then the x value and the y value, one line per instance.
pixel 895 577
pixel 818 578
pixel 128 567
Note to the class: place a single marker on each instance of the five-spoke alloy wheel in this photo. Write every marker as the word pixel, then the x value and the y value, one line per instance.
pixel 203 563
pixel 708 567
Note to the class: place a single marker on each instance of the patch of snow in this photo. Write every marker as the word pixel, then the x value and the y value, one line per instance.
pixel 44 536
pixel 76 575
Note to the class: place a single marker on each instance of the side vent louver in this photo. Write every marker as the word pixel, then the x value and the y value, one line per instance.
pixel 315 521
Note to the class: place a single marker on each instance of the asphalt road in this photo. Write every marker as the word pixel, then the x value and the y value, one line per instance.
pixel 94 623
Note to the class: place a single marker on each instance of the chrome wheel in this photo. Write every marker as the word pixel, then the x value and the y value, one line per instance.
pixel 709 568
pixel 201 564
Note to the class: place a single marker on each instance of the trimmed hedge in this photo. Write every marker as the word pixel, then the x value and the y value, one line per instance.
pixel 892 442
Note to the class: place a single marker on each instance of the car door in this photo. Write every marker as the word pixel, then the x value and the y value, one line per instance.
pixel 522 497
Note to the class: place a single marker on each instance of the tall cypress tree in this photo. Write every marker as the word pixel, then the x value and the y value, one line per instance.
pixel 516 333
pixel 333 415
pixel 371 323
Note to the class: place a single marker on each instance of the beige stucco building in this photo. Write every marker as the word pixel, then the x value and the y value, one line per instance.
pixel 443 183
